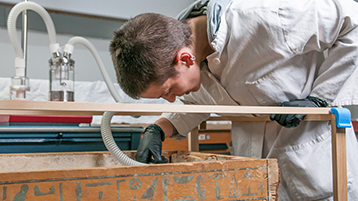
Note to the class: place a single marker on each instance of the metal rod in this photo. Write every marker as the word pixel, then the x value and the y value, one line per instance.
pixel 24 34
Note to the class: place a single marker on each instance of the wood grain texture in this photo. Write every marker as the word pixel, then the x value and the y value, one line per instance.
pixel 86 108
pixel 339 162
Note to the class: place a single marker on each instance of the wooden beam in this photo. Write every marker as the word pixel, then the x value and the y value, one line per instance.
pixel 193 140
pixel 202 125
pixel 339 162
pixel 309 117
pixel 84 108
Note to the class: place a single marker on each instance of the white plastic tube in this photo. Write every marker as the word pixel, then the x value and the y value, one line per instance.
pixel 80 40
pixel 107 116
pixel 11 26
pixel 111 144
pixel 19 52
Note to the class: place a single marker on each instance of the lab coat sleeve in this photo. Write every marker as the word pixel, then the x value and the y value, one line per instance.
pixel 331 26
pixel 210 93
pixel 184 122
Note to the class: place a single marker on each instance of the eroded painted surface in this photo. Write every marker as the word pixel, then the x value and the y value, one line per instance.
pixel 217 184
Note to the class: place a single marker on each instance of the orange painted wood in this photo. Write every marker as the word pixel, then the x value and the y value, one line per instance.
pixel 173 144
pixel 215 136
pixel 190 176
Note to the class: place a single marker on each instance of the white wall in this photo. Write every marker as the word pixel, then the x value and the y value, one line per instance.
pixel 114 8
pixel 86 68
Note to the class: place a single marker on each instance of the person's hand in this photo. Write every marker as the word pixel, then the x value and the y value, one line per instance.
pixel 150 146
pixel 293 120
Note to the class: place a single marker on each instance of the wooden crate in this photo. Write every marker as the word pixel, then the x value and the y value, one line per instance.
pixel 91 176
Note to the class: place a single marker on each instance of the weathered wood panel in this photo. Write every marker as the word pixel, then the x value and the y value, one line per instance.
pixel 190 176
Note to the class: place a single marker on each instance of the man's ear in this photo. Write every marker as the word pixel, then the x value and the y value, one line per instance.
pixel 186 58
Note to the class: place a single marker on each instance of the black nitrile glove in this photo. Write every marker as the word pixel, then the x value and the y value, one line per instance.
pixel 151 146
pixel 293 120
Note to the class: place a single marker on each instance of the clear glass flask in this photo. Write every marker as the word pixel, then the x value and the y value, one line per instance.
pixel 61 78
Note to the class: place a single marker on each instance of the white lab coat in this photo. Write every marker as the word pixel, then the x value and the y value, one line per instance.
pixel 268 52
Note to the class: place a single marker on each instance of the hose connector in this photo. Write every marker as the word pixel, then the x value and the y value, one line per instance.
pixel 19 83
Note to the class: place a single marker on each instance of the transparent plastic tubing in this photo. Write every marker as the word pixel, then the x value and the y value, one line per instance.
pixel 107 116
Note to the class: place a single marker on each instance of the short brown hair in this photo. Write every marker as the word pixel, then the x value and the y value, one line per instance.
pixel 144 51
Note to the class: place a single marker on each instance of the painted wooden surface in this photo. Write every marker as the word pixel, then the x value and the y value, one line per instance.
pixel 190 176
